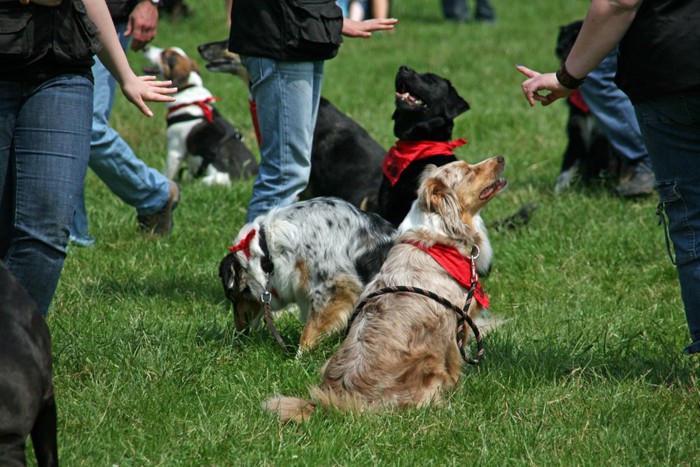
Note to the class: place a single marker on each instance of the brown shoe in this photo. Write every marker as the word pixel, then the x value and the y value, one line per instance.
pixel 160 223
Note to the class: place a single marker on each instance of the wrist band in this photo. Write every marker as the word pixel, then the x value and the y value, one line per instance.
pixel 566 80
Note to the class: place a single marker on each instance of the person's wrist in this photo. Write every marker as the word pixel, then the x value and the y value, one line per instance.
pixel 566 80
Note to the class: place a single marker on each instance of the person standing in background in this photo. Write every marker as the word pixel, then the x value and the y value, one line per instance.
pixel 283 46
pixel 659 69
pixel 111 158
pixel 46 92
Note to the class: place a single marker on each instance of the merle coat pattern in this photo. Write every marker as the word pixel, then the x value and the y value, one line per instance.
pixel 323 251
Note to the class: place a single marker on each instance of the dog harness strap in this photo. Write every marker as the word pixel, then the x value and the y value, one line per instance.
pixel 462 313
pixel 404 152
pixel 460 267
pixel 266 263
pixel 203 104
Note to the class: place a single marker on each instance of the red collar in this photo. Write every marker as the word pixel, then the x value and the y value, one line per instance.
pixel 403 153
pixel 460 267
pixel 244 244
pixel 576 99
pixel 203 104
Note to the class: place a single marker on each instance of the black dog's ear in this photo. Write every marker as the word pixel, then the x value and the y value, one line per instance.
pixel 456 104
pixel 226 273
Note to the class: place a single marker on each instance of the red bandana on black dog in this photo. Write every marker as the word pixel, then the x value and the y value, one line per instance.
pixel 403 153
pixel 459 267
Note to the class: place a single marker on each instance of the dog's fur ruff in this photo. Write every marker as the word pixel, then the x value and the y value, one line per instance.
pixel 345 159
pixel 323 253
pixel 214 150
pixel 27 405
pixel 588 155
pixel 400 350
pixel 426 106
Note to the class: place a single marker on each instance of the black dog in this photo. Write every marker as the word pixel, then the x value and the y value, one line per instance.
pixel 588 154
pixel 426 106
pixel 27 405
pixel 345 160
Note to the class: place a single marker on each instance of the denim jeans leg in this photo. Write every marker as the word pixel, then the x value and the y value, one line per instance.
pixel 287 94
pixel 46 170
pixel 671 129
pixel 113 160
pixel 457 10
pixel 613 109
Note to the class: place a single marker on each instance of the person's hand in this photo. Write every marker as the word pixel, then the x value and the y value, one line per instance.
pixel 537 82
pixel 139 89
pixel 352 28
pixel 142 25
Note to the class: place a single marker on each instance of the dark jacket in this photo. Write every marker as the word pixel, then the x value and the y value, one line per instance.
pixel 660 53
pixel 286 29
pixel 39 42
pixel 121 9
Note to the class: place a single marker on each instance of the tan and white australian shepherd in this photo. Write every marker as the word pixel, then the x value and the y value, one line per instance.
pixel 400 349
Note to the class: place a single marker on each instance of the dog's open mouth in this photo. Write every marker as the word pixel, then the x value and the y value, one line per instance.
pixel 409 99
pixel 493 189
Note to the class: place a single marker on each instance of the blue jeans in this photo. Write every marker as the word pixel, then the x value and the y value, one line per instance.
pixel 613 109
pixel 44 151
pixel 113 160
pixel 459 10
pixel 287 94
pixel 671 129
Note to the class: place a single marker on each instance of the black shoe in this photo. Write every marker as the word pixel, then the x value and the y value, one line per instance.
pixel 692 348
pixel 639 181
pixel 160 223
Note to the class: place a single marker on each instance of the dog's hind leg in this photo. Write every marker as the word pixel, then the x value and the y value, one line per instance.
pixel 329 314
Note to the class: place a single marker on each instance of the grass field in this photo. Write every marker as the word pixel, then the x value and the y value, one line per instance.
pixel 587 369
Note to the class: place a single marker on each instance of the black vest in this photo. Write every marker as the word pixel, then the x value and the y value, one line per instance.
pixel 660 53
pixel 305 30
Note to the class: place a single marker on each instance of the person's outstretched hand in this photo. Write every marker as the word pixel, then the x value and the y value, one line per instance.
pixel 140 89
pixel 352 28
pixel 537 82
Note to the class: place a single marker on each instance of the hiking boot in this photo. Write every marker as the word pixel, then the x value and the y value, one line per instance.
pixel 160 223
pixel 692 348
pixel 638 181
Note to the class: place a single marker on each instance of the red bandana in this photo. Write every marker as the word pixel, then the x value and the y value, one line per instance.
pixel 204 105
pixel 403 153
pixel 577 100
pixel 459 267
pixel 244 244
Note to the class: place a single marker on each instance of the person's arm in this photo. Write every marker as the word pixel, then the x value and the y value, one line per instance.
pixel 352 28
pixel 135 89
pixel 605 25
pixel 143 24
pixel 229 5
pixel 38 2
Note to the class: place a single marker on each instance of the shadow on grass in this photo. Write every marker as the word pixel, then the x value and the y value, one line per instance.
pixel 634 357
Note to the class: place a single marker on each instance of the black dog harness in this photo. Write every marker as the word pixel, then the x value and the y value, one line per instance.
pixel 463 316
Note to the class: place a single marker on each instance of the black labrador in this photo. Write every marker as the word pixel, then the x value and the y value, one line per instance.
pixel 27 405
pixel 426 106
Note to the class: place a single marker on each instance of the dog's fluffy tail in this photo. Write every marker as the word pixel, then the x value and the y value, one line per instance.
pixel 292 409
pixel 296 409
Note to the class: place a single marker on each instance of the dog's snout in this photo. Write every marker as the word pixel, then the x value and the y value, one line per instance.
pixel 500 159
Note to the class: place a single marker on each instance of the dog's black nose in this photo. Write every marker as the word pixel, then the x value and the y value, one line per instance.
pixel 500 159
pixel 404 69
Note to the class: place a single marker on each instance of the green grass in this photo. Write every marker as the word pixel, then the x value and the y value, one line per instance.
pixel 587 369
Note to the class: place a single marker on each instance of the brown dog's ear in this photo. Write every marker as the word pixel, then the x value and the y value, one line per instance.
pixel 435 195
pixel 180 69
